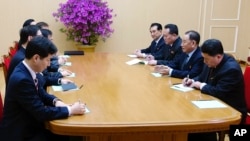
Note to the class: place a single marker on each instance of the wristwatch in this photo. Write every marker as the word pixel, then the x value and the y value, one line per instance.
pixel 59 81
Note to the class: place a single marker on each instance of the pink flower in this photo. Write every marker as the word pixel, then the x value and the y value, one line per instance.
pixel 85 20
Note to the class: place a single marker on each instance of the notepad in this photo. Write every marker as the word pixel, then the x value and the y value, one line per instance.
pixel 68 64
pixel 72 75
pixel 156 74
pixel 136 61
pixel 182 88
pixel 132 55
pixel 209 104
pixel 86 110
pixel 68 86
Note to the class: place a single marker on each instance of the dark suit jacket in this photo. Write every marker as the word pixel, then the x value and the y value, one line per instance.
pixel 158 50
pixel 18 57
pixel 192 68
pixel 54 65
pixel 171 52
pixel 226 83
pixel 49 78
pixel 26 108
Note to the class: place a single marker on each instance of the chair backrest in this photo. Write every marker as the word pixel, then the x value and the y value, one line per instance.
pixel 1 107
pixel 12 51
pixel 16 45
pixel 247 86
pixel 6 64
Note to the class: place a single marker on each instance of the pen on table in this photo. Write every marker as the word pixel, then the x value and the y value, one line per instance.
pixel 81 86
pixel 176 83
pixel 187 79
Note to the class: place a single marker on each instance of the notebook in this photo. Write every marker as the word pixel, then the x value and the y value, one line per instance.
pixel 68 86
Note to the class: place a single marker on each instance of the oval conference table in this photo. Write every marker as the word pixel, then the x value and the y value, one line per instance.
pixel 128 103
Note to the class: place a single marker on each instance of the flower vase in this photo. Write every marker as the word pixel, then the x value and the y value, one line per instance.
pixel 86 48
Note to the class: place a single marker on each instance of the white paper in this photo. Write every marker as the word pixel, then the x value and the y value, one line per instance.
pixel 64 56
pixel 182 88
pixel 59 88
pixel 72 75
pixel 86 110
pixel 156 74
pixel 134 61
pixel 209 104
pixel 68 64
pixel 132 55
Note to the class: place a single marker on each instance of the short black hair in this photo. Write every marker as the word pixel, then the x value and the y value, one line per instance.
pixel 40 45
pixel 42 24
pixel 193 35
pixel 212 47
pixel 46 32
pixel 173 29
pixel 159 27
pixel 26 31
pixel 28 22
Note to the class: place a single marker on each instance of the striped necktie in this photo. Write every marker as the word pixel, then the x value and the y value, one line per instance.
pixel 36 83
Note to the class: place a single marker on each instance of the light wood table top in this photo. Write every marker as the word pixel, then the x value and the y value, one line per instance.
pixel 129 99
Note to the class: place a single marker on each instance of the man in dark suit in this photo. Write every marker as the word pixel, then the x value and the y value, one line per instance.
pixel 157 46
pixel 222 78
pixel 173 50
pixel 27 105
pixel 26 34
pixel 190 63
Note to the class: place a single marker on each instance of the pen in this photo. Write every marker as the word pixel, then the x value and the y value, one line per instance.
pixel 81 86
pixel 187 78
pixel 176 83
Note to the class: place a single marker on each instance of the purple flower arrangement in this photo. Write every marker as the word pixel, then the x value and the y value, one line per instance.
pixel 85 20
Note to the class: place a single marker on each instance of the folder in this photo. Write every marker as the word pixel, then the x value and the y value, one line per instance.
pixel 73 52
pixel 68 86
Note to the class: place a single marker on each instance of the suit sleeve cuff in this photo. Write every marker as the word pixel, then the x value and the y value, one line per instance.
pixel 202 85
pixel 69 110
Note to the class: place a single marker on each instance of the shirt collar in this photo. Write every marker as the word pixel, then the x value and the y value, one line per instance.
pixel 33 74
pixel 191 53
pixel 158 39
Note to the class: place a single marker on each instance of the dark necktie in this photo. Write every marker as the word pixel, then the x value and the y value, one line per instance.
pixel 210 75
pixel 184 62
pixel 155 46
pixel 36 83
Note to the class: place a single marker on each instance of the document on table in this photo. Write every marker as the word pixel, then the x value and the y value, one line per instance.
pixel 72 75
pixel 86 110
pixel 132 55
pixel 64 56
pixel 156 74
pixel 64 87
pixel 208 104
pixel 136 61
pixel 68 64
pixel 182 88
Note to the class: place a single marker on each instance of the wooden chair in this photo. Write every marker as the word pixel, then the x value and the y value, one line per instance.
pixel 12 51
pixel 16 45
pixel 6 63
pixel 247 98
pixel 247 92
pixel 1 107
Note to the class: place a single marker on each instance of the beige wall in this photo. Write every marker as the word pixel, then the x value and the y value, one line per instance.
pixel 131 23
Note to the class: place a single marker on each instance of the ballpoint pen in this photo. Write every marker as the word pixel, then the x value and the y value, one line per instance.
pixel 186 81
pixel 81 86
pixel 187 78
